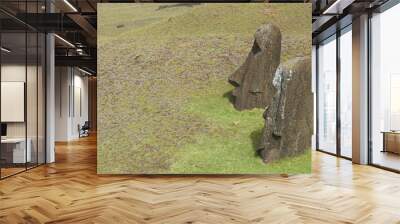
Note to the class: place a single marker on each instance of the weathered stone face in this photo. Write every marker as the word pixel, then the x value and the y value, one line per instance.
pixel 253 79
pixel 289 118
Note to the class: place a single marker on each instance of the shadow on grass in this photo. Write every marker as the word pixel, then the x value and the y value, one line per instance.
pixel 228 95
pixel 256 140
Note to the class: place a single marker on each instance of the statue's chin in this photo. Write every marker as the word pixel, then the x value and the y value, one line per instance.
pixel 270 155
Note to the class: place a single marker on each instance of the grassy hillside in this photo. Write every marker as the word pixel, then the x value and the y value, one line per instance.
pixel 163 71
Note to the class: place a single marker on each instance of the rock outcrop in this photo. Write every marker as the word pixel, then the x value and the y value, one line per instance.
pixel 253 79
pixel 289 117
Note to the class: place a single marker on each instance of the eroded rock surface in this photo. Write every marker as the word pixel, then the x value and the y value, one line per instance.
pixel 253 79
pixel 288 119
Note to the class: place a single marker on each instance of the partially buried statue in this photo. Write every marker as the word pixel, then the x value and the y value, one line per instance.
pixel 289 117
pixel 253 79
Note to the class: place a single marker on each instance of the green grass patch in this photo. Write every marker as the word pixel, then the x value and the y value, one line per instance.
pixel 232 146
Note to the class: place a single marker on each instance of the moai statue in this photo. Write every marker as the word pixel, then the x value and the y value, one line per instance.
pixel 289 118
pixel 253 79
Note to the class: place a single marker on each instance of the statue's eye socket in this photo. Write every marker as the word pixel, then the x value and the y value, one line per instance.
pixel 256 48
